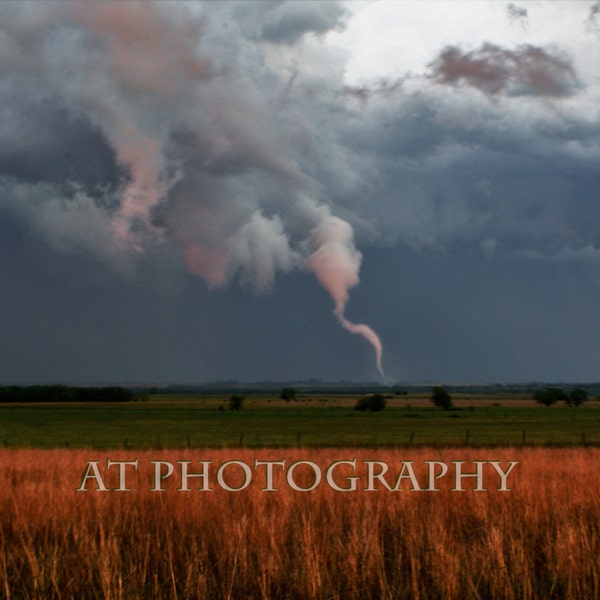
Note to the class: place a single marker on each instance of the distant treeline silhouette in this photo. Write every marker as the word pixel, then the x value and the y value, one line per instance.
pixel 63 393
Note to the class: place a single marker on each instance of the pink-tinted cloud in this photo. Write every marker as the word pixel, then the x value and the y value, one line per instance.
pixel 526 71
pixel 213 154
pixel 336 263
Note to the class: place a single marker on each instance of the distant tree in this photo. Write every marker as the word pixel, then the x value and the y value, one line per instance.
pixel 288 393
pixel 236 402
pixel 440 397
pixel 374 403
pixel 576 397
pixel 550 396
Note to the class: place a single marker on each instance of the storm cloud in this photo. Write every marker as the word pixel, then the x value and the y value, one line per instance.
pixel 285 22
pixel 184 142
pixel 211 150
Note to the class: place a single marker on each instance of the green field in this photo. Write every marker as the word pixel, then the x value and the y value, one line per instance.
pixel 202 421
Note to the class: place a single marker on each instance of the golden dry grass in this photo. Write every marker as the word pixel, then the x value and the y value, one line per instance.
pixel 540 540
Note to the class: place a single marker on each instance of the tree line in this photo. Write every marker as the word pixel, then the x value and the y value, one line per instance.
pixel 549 396
pixel 63 393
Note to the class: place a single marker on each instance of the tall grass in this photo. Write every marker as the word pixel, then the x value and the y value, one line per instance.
pixel 539 540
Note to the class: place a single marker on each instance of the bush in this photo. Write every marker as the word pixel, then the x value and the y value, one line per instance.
pixel 576 397
pixel 440 397
pixel 550 396
pixel 374 403
pixel 236 402
pixel 288 394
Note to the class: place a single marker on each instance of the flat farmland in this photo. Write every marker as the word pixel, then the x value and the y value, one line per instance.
pixel 180 421
pixel 538 539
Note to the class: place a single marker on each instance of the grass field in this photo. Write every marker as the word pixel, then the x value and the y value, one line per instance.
pixel 541 540
pixel 313 421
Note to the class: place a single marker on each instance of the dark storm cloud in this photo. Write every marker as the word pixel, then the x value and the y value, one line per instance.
pixel 210 149
pixel 200 144
pixel 42 143
pixel 504 317
pixel 446 169
pixel 158 94
pixel 229 183
pixel 526 71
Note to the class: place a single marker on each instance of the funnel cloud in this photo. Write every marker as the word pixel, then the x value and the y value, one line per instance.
pixel 199 143
pixel 336 263
pixel 182 185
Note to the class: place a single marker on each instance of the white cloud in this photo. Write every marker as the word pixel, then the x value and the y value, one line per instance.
pixel 389 39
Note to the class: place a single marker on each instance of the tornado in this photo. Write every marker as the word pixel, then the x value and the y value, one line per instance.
pixel 369 335
pixel 335 262
pixel 202 163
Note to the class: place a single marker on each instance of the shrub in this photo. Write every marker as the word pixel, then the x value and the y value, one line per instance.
pixel 550 396
pixel 576 397
pixel 288 394
pixel 374 403
pixel 236 402
pixel 440 397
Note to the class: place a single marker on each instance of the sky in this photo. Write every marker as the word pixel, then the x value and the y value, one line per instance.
pixel 291 190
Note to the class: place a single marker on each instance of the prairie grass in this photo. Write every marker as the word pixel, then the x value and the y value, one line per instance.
pixel 541 539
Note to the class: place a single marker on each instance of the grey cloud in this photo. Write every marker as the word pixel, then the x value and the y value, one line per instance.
pixel 531 201
pixel 41 142
pixel 593 20
pixel 517 14
pixel 66 218
pixel 285 22
pixel 426 149
pixel 238 161
pixel 527 71
pixel 144 75
pixel 156 95
pixel 382 88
